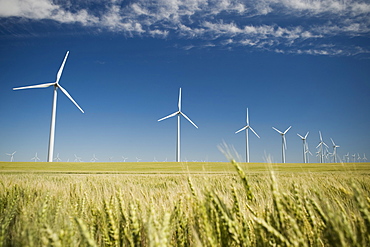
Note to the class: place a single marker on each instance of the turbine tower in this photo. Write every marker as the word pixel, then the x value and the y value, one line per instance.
pixel 305 147
pixel 283 148
pixel 321 150
pixel 246 128
pixel 178 113
pixel 54 106
pixel 334 150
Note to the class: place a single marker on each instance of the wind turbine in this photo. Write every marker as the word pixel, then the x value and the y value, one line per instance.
pixel 35 158
pixel 321 143
pixel 12 156
pixel 364 158
pixel 94 158
pixel 77 159
pixel 57 158
pixel 354 157
pixel 178 113
pixel 305 147
pixel 137 159
pixel 334 150
pixel 246 128
pixel 283 142
pixel 124 159
pixel 54 105
pixel 347 157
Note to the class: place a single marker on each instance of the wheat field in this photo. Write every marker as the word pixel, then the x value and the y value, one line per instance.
pixel 234 205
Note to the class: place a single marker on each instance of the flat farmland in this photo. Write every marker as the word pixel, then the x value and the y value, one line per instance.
pixel 184 204
pixel 178 167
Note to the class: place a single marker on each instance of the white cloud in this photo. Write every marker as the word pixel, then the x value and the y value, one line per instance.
pixel 27 8
pixel 280 24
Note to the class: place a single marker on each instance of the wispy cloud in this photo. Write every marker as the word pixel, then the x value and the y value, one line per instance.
pixel 291 26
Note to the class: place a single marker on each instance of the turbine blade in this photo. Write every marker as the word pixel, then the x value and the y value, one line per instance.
pixel 59 74
pixel 332 141
pixel 287 130
pixel 179 104
pixel 44 85
pixel 320 136
pixel 70 97
pixel 171 115
pixel 247 117
pixel 254 131
pixel 241 129
pixel 325 144
pixel 301 136
pixel 319 145
pixel 305 137
pixel 188 119
pixel 277 130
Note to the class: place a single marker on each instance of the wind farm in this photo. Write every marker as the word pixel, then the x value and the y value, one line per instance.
pixel 323 153
pixel 135 170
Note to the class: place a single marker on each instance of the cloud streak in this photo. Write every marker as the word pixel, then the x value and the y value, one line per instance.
pixel 325 27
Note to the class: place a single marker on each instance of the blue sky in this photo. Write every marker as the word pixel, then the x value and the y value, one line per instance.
pixel 294 63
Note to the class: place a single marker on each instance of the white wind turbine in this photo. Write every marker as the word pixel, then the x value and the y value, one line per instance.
pixel 347 157
pixel 305 147
pixel 35 158
pixel 354 157
pixel 54 106
pixel 94 158
pixel 12 156
pixel 321 150
pixel 178 113
pixel 124 159
pixel 283 148
pixel 57 158
pixel 334 150
pixel 77 159
pixel 246 128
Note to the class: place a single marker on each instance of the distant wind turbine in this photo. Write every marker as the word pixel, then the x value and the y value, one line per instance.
pixel 94 158
pixel 35 158
pixel 334 150
pixel 77 159
pixel 346 157
pixel 321 148
pixel 54 107
pixel 305 147
pixel 283 148
pixel 57 158
pixel 246 128
pixel 178 113
pixel 137 159
pixel 12 156
pixel 124 159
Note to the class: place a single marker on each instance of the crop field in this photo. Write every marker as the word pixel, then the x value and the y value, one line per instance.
pixel 184 204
